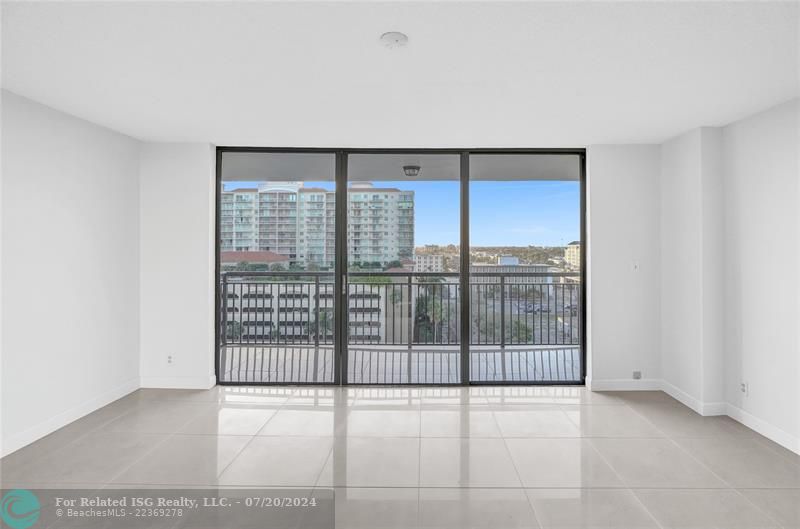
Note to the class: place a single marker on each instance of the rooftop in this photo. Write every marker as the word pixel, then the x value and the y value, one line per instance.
pixel 252 257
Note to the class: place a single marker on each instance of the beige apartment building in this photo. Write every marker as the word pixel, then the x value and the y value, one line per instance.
pixel 572 255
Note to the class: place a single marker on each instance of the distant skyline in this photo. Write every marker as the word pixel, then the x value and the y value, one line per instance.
pixel 502 213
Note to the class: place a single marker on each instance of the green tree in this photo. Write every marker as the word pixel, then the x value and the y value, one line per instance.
pixel 233 331
pixel 520 332
pixel 323 326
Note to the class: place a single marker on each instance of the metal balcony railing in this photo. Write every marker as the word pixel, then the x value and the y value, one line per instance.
pixel 401 309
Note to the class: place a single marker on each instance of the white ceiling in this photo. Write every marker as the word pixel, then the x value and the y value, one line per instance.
pixel 480 74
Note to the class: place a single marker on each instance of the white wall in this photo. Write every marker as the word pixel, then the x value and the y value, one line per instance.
pixel 761 203
pixel 623 266
pixel 713 392
pixel 691 253
pixel 177 187
pixel 70 269
pixel 681 263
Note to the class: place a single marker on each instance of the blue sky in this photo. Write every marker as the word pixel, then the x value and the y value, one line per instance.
pixel 516 213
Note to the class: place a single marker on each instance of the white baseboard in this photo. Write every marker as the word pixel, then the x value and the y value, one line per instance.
pixel 710 409
pixel 766 429
pixel 703 408
pixel 623 384
pixel 15 442
pixel 201 382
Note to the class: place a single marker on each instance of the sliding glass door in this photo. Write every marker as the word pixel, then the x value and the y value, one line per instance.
pixel 400 267
pixel 525 268
pixel 277 250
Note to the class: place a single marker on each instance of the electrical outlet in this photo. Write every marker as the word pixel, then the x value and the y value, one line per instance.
pixel 637 375
pixel 169 359
pixel 745 388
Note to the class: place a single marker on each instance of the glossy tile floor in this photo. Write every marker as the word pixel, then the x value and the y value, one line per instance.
pixel 499 457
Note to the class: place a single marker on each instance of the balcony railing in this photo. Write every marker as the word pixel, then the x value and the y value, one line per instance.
pixel 402 309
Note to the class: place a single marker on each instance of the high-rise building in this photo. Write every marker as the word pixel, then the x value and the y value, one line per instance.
pixel 380 224
pixel 298 222
pixel 316 214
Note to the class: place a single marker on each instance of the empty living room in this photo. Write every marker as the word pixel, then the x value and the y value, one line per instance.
pixel 403 264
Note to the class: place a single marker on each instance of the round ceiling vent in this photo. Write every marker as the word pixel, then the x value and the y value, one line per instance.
pixel 394 39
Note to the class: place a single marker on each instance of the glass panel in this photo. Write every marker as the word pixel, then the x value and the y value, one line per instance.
pixel 277 247
pixel 525 292
pixel 402 245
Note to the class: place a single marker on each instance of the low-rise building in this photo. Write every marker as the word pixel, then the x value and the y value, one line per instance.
pixel 234 260
pixel 428 263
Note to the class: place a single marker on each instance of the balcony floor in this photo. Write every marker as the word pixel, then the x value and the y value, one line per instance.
pixel 387 364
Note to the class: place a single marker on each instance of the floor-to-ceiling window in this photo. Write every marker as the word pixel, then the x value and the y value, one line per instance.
pixel 400 267
pixel 525 268
pixel 277 249
pixel 403 269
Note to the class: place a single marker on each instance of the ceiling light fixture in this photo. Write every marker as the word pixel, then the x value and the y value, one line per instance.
pixel 394 39
pixel 411 170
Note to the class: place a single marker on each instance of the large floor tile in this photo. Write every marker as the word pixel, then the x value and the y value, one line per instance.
pixel 185 460
pixel 655 463
pixel 466 463
pixel 97 458
pixel 460 396
pixel 783 505
pixel 589 509
pixel 228 421
pixel 679 421
pixel 775 447
pixel 372 462
pixel 610 421
pixel 588 397
pixel 167 416
pixel 376 508
pixel 69 433
pixel 458 421
pixel 383 423
pixel 15 466
pixel 745 462
pixel 256 395
pixel 310 422
pixel 436 457
pixel 199 395
pixel 561 463
pixel 703 509
pixel 634 398
pixel 535 421
pixel 320 397
pixel 387 397
pixel 524 395
pixel 279 461
pixel 475 508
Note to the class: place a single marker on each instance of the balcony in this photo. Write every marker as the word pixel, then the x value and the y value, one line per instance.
pixel 278 327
